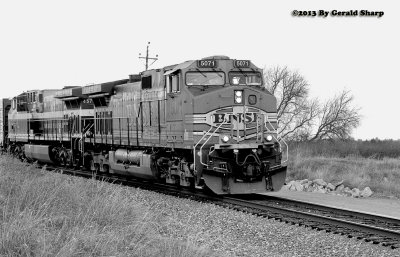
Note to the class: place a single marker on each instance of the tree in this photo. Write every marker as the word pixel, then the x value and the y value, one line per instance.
pixel 302 118
pixel 337 118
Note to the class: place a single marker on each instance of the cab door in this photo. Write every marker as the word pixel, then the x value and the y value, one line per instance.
pixel 174 108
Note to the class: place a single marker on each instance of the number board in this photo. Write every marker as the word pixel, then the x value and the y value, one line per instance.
pixel 242 63
pixel 206 63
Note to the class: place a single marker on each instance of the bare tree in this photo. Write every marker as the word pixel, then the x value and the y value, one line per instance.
pixel 298 124
pixel 296 112
pixel 337 118
pixel 289 87
pixel 301 118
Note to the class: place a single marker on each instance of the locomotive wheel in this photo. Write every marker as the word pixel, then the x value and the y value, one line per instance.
pixel 88 163
pixel 94 167
pixel 63 161
pixel 106 169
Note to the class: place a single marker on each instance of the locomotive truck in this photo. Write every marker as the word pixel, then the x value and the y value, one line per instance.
pixel 201 123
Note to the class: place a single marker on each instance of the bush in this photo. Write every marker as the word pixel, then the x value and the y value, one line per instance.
pixel 375 148
pixel 336 161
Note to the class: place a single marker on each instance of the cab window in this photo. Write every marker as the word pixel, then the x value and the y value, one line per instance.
pixel 205 78
pixel 146 82
pixel 245 78
pixel 172 83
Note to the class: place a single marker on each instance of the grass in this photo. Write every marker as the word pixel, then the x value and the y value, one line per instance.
pixel 375 148
pixel 48 214
pixel 382 175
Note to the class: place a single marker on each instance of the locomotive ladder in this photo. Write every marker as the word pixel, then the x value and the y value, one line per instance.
pixel 81 140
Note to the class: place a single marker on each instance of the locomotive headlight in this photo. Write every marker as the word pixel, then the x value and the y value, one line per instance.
pixel 238 96
pixel 268 138
pixel 225 139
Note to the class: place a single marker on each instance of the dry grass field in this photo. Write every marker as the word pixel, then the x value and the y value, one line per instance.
pixel 46 214
pixel 359 164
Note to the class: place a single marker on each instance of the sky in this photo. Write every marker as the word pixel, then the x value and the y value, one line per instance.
pixel 52 44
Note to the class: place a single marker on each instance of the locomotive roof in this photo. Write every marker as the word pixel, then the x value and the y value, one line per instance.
pixel 107 87
pixel 102 88
pixel 180 66
pixel 69 92
pixel 175 67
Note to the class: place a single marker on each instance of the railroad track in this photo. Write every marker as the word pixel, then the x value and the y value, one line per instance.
pixel 371 228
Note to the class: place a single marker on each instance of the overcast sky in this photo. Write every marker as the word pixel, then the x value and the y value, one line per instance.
pixel 52 44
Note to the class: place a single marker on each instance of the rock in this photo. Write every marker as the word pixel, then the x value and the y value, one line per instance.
pixel 367 192
pixel 340 188
pixel 289 185
pixel 307 185
pixel 321 190
pixel 310 188
pixel 330 187
pixel 296 186
pixel 347 191
pixel 336 184
pixel 285 188
pixel 290 182
pixel 299 187
pixel 304 181
pixel 355 192
pixel 319 182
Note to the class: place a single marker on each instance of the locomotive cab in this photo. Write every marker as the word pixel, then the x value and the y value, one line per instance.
pixel 230 120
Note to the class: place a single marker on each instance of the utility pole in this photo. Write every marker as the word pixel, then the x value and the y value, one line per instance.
pixel 147 57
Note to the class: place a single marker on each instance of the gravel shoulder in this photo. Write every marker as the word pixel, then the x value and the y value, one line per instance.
pixel 231 233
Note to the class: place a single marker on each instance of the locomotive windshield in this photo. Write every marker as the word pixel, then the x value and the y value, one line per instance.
pixel 245 78
pixel 205 78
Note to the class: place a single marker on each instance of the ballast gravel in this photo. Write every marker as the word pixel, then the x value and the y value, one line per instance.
pixel 228 232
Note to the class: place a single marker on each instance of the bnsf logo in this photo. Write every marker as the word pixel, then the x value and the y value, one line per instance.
pixel 249 117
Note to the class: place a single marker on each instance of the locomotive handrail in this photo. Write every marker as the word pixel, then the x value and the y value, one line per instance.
pixel 205 134
pixel 88 127
pixel 194 148
pixel 279 140
pixel 287 148
pixel 201 148
pixel 212 134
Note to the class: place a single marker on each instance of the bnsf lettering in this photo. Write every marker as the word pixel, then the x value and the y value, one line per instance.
pixel 222 117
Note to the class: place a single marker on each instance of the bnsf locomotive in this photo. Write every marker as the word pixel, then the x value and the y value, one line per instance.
pixel 207 122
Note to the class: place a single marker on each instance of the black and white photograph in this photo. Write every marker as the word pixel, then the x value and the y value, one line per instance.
pixel 199 128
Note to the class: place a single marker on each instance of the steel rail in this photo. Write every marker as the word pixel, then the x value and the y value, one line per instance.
pixel 369 232
pixel 365 217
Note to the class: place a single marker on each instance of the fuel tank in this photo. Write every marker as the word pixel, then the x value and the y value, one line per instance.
pixel 40 153
pixel 125 156
pixel 134 163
